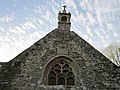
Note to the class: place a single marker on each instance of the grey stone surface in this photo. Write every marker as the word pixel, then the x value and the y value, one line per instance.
pixel 26 71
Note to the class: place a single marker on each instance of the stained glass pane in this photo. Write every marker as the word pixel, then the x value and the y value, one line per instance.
pixel 52 81
pixel 61 81
pixel 70 81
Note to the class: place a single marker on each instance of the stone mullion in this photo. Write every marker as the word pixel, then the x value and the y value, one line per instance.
pixel 65 80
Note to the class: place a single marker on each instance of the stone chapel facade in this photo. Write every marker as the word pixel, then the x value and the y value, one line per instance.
pixel 60 61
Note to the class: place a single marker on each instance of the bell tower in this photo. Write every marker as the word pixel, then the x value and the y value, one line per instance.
pixel 64 20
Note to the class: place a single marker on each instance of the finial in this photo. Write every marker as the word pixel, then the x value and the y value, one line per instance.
pixel 64 11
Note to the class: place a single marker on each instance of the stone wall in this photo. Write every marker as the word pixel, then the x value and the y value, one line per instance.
pixel 26 71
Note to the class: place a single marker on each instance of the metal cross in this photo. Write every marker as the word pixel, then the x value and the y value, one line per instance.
pixel 64 7
pixel 64 11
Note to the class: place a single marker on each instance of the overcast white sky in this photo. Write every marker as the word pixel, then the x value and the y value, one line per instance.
pixel 23 22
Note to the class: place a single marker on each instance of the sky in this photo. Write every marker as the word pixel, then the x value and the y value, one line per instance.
pixel 23 22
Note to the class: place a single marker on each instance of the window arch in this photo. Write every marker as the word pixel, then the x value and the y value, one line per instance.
pixel 61 74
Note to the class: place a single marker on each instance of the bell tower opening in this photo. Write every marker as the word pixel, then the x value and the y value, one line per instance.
pixel 64 20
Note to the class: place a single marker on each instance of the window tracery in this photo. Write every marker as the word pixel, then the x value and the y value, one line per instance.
pixel 61 74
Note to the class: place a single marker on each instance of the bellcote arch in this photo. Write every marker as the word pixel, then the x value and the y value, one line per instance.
pixel 67 62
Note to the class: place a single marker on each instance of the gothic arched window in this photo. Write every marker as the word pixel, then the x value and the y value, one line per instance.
pixel 61 74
